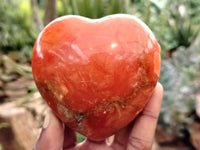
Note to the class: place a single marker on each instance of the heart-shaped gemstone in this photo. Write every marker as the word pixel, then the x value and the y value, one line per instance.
pixel 96 75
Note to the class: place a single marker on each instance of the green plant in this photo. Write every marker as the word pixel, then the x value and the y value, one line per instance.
pixel 182 24
pixel 174 22
pixel 93 8
pixel 1 147
pixel 15 25
pixel 147 10
pixel 4 125
pixel 178 76
pixel 179 24
pixel 80 137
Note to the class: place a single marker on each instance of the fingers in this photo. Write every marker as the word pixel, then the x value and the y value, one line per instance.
pixel 122 137
pixel 70 138
pixel 52 134
pixel 143 131
pixel 56 136
pixel 151 110
pixel 92 145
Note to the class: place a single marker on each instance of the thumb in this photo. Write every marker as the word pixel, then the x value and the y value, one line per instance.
pixel 52 134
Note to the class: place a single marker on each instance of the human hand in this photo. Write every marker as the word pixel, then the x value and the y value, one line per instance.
pixel 138 135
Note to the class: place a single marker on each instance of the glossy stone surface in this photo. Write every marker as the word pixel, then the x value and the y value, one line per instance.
pixel 96 75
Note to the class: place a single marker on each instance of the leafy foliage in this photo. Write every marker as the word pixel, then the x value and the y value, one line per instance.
pixel 15 25
pixel 183 25
pixel 178 76
pixel 93 8
pixel 1 147
pixel 80 138
pixel 4 125
pixel 178 25
pixel 173 21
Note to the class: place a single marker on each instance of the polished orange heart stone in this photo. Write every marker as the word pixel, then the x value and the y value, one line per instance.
pixel 96 75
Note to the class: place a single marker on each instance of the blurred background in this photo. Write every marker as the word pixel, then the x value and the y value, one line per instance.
pixel 175 23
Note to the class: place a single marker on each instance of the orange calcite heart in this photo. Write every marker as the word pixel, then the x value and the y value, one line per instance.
pixel 96 75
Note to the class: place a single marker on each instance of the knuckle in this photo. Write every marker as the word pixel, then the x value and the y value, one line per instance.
pixel 138 144
pixel 150 114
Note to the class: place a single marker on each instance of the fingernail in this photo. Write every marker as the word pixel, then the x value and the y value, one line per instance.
pixel 110 140
pixel 46 119
pixel 159 84
pixel 34 147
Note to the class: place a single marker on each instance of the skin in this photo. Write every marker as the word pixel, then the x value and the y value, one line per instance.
pixel 138 135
